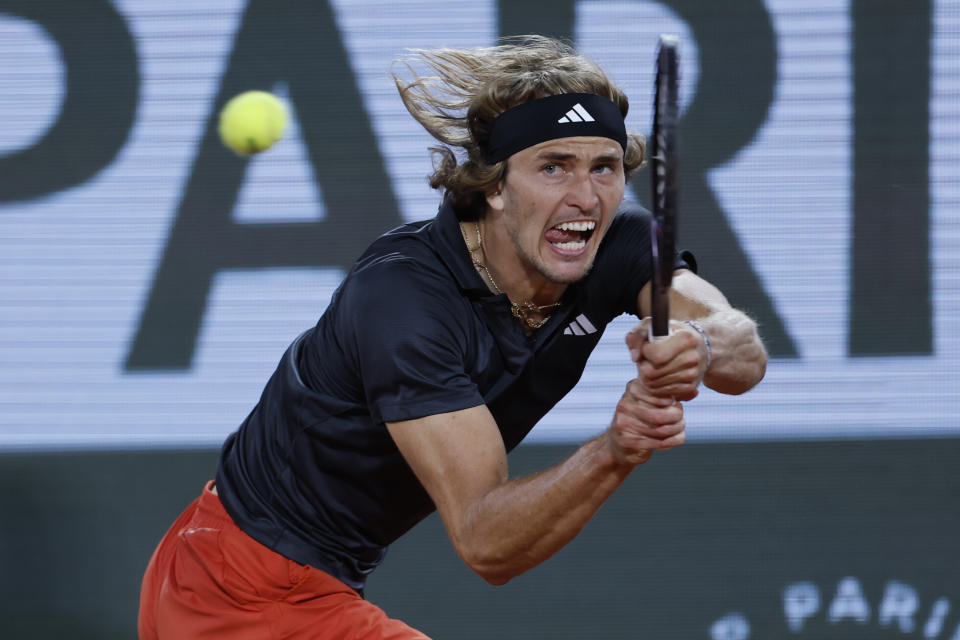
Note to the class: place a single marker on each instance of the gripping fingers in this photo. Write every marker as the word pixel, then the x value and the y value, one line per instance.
pixel 632 435
pixel 673 367
pixel 638 393
pixel 653 422
pixel 644 421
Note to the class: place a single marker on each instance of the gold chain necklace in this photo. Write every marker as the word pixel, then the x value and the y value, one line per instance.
pixel 520 310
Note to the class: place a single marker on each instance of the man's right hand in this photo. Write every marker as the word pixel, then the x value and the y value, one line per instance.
pixel 644 423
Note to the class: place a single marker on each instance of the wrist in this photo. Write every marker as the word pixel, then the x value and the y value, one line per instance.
pixel 706 341
pixel 615 459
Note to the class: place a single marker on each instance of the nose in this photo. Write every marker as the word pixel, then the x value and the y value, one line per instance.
pixel 582 193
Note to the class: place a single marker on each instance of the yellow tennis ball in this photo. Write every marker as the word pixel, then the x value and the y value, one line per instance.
pixel 252 121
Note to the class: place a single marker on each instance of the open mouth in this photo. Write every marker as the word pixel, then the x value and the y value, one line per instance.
pixel 571 236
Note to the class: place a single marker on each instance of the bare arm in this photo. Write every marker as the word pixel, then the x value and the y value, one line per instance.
pixel 502 527
pixel 676 366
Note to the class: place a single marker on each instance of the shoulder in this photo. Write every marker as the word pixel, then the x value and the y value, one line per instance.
pixel 403 257
pixel 622 265
pixel 630 238
pixel 631 210
pixel 631 218
pixel 400 279
pixel 629 234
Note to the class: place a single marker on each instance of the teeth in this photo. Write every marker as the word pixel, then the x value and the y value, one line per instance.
pixel 577 226
pixel 576 245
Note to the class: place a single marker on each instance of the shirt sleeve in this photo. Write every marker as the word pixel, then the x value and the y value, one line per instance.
pixel 409 340
pixel 626 258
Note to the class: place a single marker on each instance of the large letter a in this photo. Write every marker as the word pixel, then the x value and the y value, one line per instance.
pixel 298 43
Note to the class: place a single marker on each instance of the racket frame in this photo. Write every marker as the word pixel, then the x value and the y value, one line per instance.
pixel 663 172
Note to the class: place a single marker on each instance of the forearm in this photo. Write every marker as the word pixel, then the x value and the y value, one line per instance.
pixel 502 527
pixel 738 359
pixel 521 523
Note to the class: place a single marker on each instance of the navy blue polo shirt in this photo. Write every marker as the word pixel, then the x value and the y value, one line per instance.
pixel 312 472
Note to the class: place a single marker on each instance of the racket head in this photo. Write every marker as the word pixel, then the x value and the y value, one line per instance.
pixel 663 172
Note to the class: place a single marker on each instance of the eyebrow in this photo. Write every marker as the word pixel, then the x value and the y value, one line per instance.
pixel 609 157
pixel 562 155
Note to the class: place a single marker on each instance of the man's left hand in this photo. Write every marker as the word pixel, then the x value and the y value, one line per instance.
pixel 672 367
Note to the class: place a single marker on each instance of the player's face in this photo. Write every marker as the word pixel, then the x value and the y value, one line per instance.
pixel 556 203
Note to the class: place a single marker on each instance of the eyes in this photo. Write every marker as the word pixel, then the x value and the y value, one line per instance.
pixel 556 169
pixel 551 169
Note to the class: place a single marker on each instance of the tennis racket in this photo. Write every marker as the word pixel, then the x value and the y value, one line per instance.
pixel 663 171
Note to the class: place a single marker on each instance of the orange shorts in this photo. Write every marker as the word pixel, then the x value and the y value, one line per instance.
pixel 208 579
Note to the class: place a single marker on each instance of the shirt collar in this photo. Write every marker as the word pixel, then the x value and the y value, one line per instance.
pixel 453 252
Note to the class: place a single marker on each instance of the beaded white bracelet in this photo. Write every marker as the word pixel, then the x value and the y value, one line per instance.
pixel 706 340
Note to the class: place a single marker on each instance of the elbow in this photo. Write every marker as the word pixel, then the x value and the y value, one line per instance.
pixel 497 550
pixel 493 569
pixel 495 579
pixel 493 572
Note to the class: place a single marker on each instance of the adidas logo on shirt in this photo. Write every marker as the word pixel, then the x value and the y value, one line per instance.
pixel 576 114
pixel 581 326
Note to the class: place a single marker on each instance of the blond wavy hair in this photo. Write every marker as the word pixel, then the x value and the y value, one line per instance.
pixel 466 89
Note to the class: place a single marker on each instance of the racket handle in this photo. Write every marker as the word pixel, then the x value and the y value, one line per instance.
pixel 652 337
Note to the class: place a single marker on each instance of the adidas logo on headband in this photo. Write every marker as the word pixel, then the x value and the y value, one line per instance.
pixel 535 121
pixel 576 114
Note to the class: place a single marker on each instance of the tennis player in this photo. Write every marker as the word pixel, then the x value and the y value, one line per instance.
pixel 445 344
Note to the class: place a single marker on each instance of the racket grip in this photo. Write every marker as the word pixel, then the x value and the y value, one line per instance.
pixel 652 337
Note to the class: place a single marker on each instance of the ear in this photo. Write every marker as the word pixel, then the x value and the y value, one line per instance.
pixel 495 198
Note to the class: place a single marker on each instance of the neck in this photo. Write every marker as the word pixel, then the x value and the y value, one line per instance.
pixel 533 311
pixel 514 276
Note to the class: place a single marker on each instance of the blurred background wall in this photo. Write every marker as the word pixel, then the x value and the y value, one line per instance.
pixel 150 280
